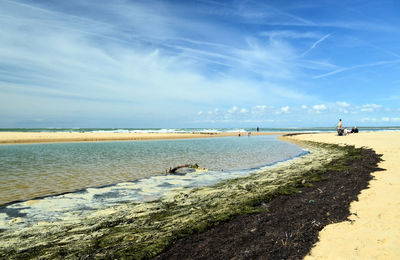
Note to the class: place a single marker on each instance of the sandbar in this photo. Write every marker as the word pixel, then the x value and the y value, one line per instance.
pixel 53 137
pixel 373 231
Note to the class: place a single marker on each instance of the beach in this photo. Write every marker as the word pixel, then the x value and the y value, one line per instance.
pixel 53 137
pixel 295 206
pixel 143 230
pixel 373 231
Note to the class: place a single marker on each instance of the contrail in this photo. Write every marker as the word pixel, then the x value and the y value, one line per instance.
pixel 357 67
pixel 315 44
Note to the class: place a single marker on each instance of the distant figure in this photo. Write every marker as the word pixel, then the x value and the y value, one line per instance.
pixel 239 134
pixel 258 129
pixel 339 127
pixel 248 134
pixel 354 130
pixel 345 131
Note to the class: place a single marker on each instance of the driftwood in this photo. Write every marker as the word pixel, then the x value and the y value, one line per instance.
pixel 173 170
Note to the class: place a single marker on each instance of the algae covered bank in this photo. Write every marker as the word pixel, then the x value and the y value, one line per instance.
pixel 144 230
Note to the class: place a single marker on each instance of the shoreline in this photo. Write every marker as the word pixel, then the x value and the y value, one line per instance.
pixel 145 230
pixel 289 226
pixel 58 137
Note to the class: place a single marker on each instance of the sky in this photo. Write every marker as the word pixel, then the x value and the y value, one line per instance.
pixel 200 63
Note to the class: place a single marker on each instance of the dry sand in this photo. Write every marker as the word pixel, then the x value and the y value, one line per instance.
pixel 50 137
pixel 373 231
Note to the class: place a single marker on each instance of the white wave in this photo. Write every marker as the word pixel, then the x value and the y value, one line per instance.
pixel 111 131
pixel 207 131
pixel 235 130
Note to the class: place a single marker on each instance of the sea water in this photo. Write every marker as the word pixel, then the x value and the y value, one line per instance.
pixel 67 177
pixel 194 130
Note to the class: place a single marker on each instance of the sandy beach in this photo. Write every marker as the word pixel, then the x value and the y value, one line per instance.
pixel 373 231
pixel 288 229
pixel 52 137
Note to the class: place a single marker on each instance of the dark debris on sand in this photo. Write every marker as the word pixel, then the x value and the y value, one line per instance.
pixel 290 226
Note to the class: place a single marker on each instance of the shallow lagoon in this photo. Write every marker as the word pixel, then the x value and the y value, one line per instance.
pixel 33 170
pixel 145 228
pixel 106 174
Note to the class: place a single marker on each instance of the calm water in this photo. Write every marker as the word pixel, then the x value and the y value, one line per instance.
pixel 32 170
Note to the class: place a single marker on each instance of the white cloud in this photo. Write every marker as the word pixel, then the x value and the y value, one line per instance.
pixel 304 107
pixel 391 119
pixel 368 119
pixel 261 110
pixel 342 104
pixel 234 109
pixel 319 107
pixel 367 109
pixel 243 111
pixel 200 113
pixel 285 109
pixel 370 107
pixel 375 106
pixel 263 107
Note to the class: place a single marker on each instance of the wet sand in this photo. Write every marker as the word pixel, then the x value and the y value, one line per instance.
pixel 52 137
pixel 373 231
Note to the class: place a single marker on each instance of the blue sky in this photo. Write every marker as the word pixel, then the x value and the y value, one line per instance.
pixel 199 63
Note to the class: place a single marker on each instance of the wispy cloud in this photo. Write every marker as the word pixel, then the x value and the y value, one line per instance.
pixel 290 34
pixel 380 63
pixel 315 44
pixel 152 61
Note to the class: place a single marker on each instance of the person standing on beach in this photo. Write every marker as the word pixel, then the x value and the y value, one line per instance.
pixel 339 126
pixel 258 129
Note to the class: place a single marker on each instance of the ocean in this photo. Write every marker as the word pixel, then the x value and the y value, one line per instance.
pixel 192 130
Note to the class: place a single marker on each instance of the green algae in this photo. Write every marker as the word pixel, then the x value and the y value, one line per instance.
pixel 139 231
